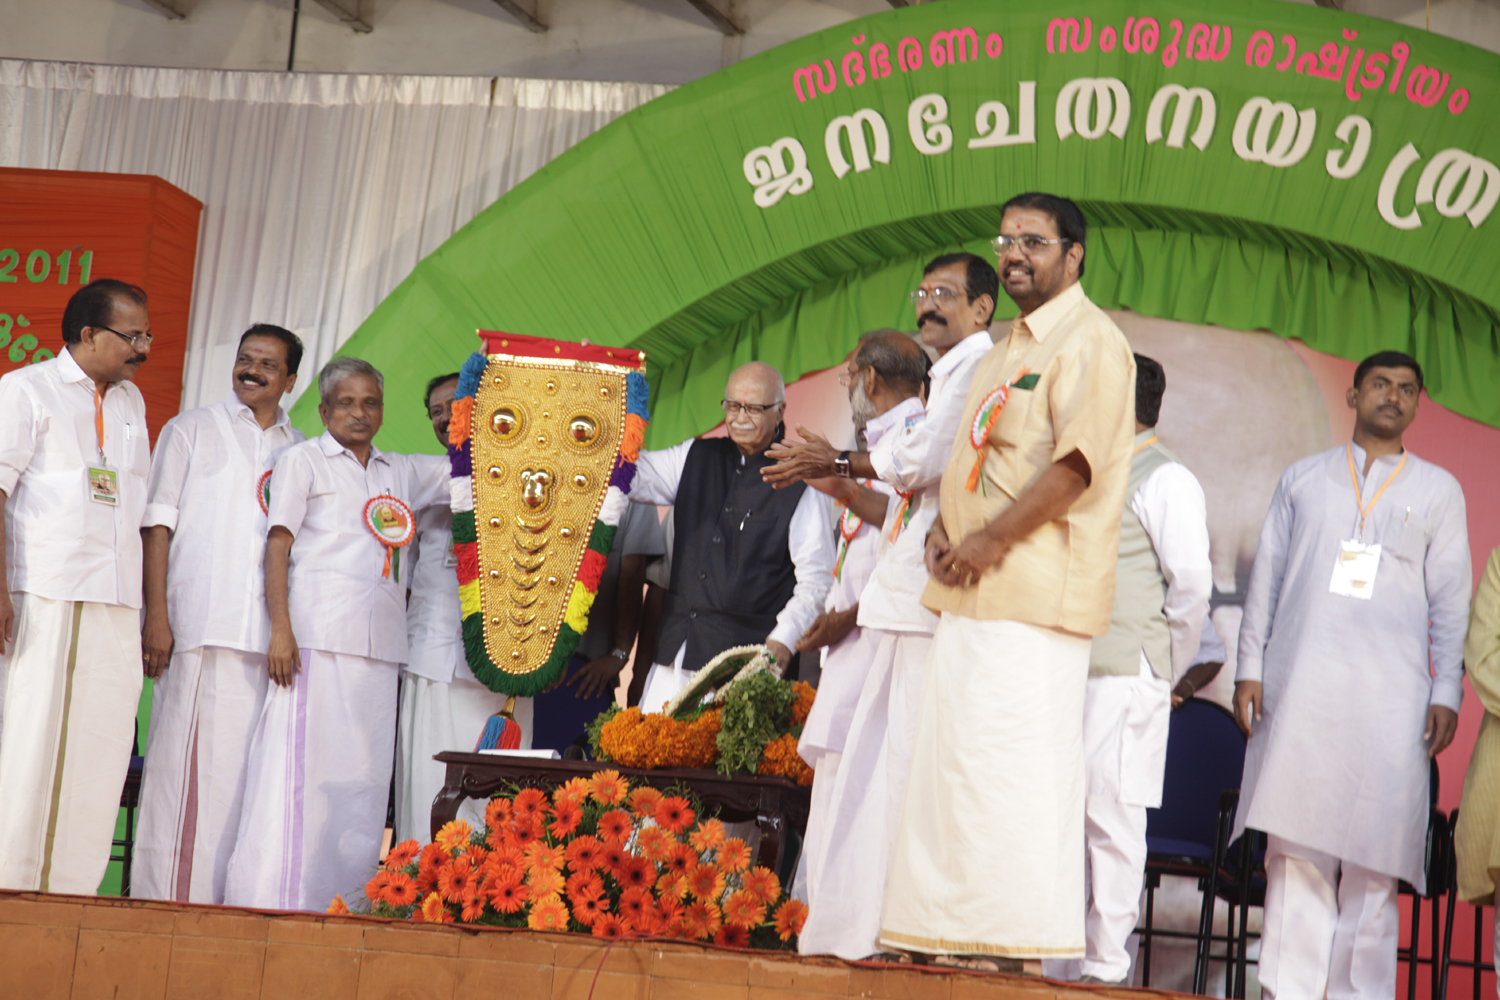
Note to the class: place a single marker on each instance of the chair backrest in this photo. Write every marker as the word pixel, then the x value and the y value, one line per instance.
pixel 1205 758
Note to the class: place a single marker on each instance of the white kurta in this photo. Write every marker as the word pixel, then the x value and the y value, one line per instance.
pixel 809 543
pixel 205 489
pixel 321 757
pixel 73 679
pixel 1337 762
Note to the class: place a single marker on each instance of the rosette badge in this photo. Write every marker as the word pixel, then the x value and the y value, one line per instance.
pixel 543 444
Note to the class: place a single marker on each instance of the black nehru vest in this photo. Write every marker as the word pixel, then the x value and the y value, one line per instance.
pixel 731 570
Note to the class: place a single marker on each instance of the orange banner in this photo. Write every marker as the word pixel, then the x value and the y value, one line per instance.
pixel 61 229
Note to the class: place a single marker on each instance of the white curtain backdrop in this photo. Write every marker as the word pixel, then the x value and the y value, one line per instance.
pixel 320 191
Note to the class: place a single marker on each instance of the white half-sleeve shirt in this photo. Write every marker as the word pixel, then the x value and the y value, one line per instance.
pixel 1171 507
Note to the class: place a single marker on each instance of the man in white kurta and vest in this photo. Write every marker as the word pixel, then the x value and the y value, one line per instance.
pixel 1349 679
pixel 849 648
pixel 987 870
pixel 1163 581
pixel 206 630
pixel 750 564
pixel 74 456
pixel 908 451
pixel 443 705
pixel 320 761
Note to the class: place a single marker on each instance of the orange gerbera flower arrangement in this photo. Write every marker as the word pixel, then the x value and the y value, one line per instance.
pixel 629 862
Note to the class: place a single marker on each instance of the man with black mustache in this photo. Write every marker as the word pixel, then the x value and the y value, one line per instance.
pixel 987 871
pixel 1349 680
pixel 74 454
pixel 206 629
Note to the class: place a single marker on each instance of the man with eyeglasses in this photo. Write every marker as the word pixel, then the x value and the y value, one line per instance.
pixel 74 456
pixel 954 306
pixel 206 629
pixel 750 564
pixel 988 867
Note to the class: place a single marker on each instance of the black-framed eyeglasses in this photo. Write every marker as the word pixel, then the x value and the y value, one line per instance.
pixel 732 407
pixel 139 341
pixel 1029 244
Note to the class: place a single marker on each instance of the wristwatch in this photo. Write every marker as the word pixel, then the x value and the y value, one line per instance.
pixel 841 465
pixel 623 655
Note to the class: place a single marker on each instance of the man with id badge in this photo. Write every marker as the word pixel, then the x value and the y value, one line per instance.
pixel 1361 580
pixel 74 455
pixel 341 514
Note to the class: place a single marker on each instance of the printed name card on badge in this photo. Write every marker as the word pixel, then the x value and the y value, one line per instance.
pixel 1354 571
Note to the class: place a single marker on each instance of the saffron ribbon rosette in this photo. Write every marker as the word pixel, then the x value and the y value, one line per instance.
pixel 987 416
pixel 849 525
pixel 263 492
pixel 543 445
pixel 393 525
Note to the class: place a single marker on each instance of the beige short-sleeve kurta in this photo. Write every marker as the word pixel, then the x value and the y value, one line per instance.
pixel 1083 399
pixel 1477 839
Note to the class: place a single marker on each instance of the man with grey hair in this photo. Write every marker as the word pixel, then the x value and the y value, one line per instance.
pixel 320 761
pixel 750 564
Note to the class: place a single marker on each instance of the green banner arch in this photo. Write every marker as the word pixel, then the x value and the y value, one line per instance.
pixel 1322 175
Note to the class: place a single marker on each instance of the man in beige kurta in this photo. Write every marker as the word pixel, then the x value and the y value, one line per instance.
pixel 1477 838
pixel 989 858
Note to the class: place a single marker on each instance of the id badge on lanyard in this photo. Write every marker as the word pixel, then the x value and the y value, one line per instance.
pixel 1357 564
pixel 103 481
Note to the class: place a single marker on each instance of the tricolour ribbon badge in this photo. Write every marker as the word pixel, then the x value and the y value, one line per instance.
pixel 393 525
pixel 263 492
pixel 985 419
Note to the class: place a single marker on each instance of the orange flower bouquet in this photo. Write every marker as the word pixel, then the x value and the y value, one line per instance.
pixel 598 857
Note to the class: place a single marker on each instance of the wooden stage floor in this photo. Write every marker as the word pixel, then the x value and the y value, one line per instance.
pixel 81 948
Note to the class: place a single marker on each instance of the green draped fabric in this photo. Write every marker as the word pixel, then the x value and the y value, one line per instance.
pixel 648 233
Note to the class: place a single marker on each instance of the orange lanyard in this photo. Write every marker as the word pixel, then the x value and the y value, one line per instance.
pixel 99 418
pixel 1354 478
pixel 1149 441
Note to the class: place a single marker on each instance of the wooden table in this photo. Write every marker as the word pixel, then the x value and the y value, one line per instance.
pixel 775 804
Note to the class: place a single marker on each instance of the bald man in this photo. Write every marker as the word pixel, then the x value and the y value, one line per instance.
pixel 750 564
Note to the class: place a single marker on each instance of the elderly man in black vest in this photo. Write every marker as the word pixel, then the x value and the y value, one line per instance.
pixel 750 564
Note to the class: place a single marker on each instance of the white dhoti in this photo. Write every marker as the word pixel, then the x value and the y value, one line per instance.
pixel 989 856
pixel 204 709
pixel 1125 723
pixel 845 899
pixel 437 716
pixel 1331 927
pixel 72 688
pixel 318 782
pixel 846 664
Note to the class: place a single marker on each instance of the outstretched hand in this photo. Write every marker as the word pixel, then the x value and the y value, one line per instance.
pixel 810 458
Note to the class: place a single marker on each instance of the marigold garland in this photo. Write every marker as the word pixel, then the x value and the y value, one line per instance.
pixel 636 864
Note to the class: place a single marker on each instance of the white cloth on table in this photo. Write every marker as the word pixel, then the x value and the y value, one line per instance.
pixel 340 601
pixel 436 716
pixel 59 543
pixel 72 685
pixel 1331 927
pixel 319 779
pixel 844 900
pixel 987 857
pixel 205 477
pixel 1337 762
pixel 809 542
pixel 204 710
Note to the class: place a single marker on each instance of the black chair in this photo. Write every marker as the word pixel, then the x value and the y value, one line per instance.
pixel 1250 871
pixel 1189 834
pixel 123 849
pixel 1448 960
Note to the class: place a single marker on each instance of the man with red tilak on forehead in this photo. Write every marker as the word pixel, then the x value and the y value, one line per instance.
pixel 988 867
